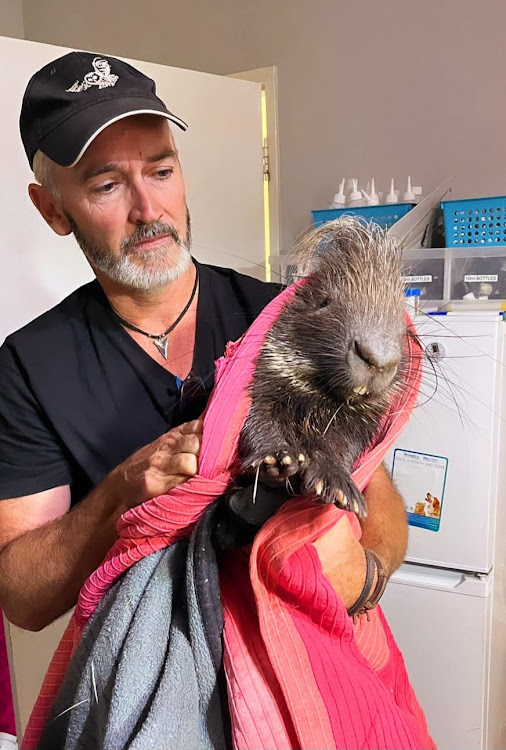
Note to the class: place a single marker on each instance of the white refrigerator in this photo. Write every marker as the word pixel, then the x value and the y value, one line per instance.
pixel 446 604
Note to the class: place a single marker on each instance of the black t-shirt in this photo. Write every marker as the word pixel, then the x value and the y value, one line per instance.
pixel 78 395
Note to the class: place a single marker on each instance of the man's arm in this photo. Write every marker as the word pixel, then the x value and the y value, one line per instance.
pixel 385 531
pixel 47 553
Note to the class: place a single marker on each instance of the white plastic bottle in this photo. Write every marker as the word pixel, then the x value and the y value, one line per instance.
pixel 371 196
pixel 339 199
pixel 409 196
pixel 356 198
pixel 393 195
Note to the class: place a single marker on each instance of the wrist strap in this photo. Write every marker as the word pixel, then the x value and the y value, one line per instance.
pixel 358 607
pixel 370 597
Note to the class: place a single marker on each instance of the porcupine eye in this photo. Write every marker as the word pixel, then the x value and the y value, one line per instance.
pixel 325 302
pixel 319 302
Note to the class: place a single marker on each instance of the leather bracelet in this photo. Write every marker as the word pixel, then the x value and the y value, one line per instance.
pixel 358 607
pixel 381 583
pixel 369 598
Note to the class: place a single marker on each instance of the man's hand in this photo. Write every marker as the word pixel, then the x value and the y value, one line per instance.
pixel 158 467
pixel 343 560
pixel 385 531
pixel 47 554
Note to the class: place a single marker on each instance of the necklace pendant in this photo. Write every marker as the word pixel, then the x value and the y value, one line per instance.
pixel 162 343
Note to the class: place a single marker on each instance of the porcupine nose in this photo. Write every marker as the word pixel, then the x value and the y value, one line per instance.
pixel 373 363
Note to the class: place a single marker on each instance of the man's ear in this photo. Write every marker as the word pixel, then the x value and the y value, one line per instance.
pixel 50 208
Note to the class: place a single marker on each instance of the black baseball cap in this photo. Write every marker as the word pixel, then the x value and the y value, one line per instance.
pixel 69 101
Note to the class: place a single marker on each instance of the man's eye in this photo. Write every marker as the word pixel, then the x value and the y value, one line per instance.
pixel 107 187
pixel 164 173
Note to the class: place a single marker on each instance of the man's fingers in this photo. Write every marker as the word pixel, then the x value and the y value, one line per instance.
pixel 194 427
pixel 185 463
pixel 174 442
pixel 187 444
pixel 170 464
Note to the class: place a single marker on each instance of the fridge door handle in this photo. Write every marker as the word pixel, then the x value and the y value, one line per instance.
pixel 428 577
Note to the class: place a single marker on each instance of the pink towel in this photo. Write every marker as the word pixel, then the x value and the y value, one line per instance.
pixel 291 651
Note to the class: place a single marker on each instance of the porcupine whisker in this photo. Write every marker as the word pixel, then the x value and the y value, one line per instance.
pixel 332 418
pixel 94 682
pixel 450 334
pixel 255 486
pixel 233 255
pixel 79 703
pixel 445 377
pixel 436 389
pixel 458 386
pixel 427 397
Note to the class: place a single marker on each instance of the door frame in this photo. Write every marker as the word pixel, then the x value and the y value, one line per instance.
pixel 268 77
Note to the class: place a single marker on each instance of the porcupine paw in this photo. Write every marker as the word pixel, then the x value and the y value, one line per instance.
pixel 333 486
pixel 276 467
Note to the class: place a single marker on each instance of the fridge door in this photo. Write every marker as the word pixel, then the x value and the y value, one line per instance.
pixel 446 460
pixel 440 621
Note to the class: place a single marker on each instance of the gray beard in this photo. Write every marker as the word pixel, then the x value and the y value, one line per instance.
pixel 143 270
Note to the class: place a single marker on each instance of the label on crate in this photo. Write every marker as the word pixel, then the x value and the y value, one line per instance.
pixel 421 480
pixel 481 277
pixel 417 279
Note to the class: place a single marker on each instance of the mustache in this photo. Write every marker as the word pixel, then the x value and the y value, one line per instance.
pixel 149 232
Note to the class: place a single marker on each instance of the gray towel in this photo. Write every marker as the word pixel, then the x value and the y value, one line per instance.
pixel 147 674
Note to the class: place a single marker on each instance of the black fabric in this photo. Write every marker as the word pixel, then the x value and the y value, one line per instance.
pixel 78 395
pixel 205 581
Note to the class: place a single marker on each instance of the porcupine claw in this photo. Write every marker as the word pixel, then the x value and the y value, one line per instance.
pixel 276 466
pixel 342 500
pixel 331 485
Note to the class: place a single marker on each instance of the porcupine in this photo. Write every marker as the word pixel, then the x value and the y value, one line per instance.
pixel 327 370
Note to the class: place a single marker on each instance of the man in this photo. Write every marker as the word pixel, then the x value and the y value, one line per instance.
pixel 96 394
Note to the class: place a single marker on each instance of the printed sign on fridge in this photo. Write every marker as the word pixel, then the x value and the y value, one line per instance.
pixel 421 479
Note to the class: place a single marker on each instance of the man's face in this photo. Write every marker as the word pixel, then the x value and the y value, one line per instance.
pixel 126 204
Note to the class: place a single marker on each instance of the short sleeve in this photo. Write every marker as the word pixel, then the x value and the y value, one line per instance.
pixel 31 459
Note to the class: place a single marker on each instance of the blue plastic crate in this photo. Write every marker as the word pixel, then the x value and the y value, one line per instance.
pixel 385 215
pixel 474 222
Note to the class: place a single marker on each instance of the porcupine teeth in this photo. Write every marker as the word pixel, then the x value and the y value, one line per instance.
pixel 360 390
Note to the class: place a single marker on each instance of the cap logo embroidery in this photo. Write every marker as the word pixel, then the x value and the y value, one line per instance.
pixel 101 76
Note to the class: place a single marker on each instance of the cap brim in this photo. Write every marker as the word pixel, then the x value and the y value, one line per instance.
pixel 67 143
